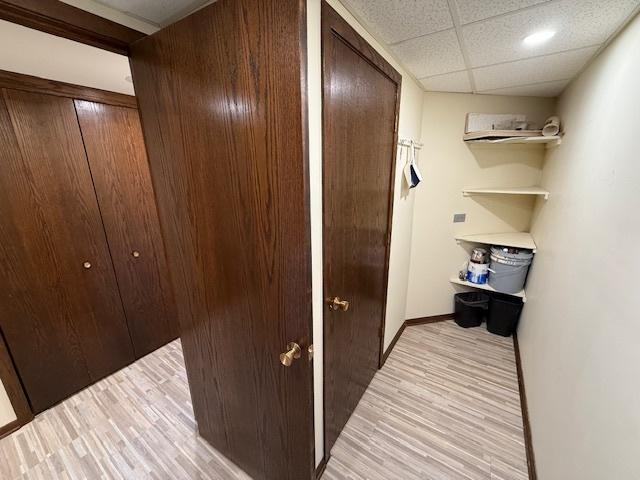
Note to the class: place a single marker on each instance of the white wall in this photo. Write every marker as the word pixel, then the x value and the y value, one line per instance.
pixel 7 415
pixel 409 127
pixel 28 51
pixel 314 95
pixel 579 331
pixel 448 165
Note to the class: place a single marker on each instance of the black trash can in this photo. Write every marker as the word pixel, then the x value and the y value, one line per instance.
pixel 504 313
pixel 471 309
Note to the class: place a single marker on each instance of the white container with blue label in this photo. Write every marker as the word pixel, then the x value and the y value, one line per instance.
pixel 478 273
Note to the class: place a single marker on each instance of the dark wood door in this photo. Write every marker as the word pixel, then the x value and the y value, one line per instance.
pixel 360 104
pixel 118 160
pixel 60 311
pixel 221 100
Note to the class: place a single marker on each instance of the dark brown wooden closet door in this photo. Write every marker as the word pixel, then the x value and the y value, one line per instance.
pixel 361 93
pixel 63 323
pixel 222 107
pixel 118 159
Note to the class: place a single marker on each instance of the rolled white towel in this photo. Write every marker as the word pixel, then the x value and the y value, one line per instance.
pixel 551 126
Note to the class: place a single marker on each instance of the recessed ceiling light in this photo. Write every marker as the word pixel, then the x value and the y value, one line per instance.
pixel 538 38
pixel 128 78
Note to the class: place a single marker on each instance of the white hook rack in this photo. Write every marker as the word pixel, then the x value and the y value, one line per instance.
pixel 403 142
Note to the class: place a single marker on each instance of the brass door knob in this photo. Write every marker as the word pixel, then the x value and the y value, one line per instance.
pixel 336 304
pixel 293 352
pixel 86 265
pixel 135 254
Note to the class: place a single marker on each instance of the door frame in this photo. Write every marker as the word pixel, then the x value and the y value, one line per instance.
pixel 333 24
pixel 29 83
pixel 67 21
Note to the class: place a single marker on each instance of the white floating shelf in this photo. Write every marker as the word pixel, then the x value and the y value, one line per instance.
pixel 529 140
pixel 521 294
pixel 510 239
pixel 506 191
pixel 491 137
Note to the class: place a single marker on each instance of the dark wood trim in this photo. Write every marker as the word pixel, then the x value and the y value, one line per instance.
pixel 322 465
pixel 392 188
pixel 393 343
pixel 9 428
pixel 63 20
pixel 350 37
pixel 432 319
pixel 531 459
pixel 15 392
pixel 19 81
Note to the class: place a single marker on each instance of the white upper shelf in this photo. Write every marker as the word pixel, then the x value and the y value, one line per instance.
pixel 510 137
pixel 506 191
pixel 509 239
pixel 512 140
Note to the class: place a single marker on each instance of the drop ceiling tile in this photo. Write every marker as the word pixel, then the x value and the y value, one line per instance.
pixel 155 11
pixel 397 20
pixel 474 10
pixel 431 55
pixel 449 82
pixel 576 23
pixel 558 66
pixel 547 89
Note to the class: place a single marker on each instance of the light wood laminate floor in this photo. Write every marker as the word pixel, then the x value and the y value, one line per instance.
pixel 136 424
pixel 445 406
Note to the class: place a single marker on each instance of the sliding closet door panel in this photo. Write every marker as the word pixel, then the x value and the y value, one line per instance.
pixel 59 306
pixel 118 159
pixel 221 101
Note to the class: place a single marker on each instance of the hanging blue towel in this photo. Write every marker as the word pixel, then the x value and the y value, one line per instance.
pixel 415 176
pixel 412 173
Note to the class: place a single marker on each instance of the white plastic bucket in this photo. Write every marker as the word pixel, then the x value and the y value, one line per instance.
pixel 477 273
